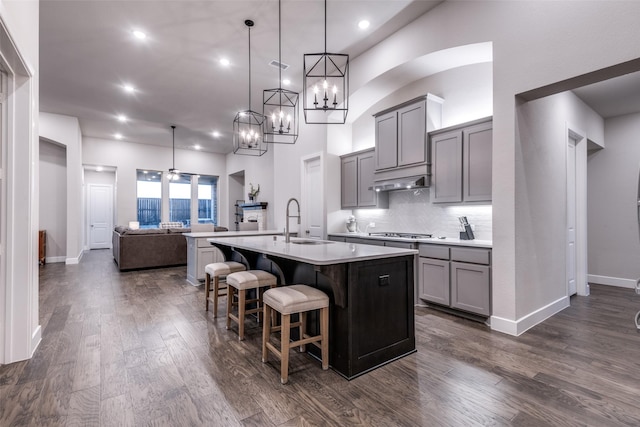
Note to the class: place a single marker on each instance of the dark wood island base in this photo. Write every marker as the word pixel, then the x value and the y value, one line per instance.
pixel 371 306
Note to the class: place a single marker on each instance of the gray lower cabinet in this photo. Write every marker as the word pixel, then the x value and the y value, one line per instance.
pixel 455 276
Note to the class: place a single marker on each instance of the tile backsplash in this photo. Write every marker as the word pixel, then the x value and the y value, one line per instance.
pixel 411 211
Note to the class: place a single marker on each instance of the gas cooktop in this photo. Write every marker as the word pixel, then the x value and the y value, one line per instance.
pixel 403 235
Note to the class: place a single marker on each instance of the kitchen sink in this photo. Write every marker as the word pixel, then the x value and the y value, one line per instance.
pixel 310 242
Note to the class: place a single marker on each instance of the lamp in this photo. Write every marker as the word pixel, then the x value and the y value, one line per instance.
pixel 327 74
pixel 281 126
pixel 247 126
pixel 174 173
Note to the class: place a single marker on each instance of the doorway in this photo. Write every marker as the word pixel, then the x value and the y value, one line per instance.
pixel 236 196
pixel 313 199
pixel 576 227
pixel 100 212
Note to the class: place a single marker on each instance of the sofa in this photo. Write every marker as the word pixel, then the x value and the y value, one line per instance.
pixel 149 247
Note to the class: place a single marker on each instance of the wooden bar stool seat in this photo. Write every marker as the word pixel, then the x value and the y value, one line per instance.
pixel 218 270
pixel 288 300
pixel 238 284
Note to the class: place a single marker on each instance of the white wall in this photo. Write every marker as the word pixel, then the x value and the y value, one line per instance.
pixel 19 320
pixel 614 236
pixel 53 199
pixel 127 157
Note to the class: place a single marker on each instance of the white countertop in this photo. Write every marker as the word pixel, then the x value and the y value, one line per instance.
pixel 327 253
pixel 433 240
pixel 233 233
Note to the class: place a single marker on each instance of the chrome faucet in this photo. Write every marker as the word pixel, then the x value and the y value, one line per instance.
pixel 287 237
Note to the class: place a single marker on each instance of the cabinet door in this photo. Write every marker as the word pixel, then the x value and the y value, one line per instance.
pixel 412 144
pixel 433 276
pixel 367 197
pixel 362 241
pixel 387 141
pixel 447 167
pixel 349 185
pixel 207 256
pixel 477 154
pixel 471 288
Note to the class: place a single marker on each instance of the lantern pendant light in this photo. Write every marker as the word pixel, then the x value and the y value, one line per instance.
pixel 326 85
pixel 248 137
pixel 280 106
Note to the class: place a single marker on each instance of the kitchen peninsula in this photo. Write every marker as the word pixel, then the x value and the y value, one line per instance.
pixel 200 252
pixel 371 292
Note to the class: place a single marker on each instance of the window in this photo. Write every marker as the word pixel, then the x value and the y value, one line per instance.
pixel 207 199
pixel 180 200
pixel 149 190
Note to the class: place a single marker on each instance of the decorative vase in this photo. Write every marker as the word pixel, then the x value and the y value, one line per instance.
pixel 251 198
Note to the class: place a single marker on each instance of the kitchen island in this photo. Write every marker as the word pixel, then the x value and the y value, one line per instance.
pixel 370 288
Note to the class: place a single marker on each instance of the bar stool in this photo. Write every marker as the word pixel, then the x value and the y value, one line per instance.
pixel 288 300
pixel 240 282
pixel 218 270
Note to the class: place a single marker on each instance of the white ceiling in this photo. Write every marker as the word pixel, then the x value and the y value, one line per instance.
pixel 613 97
pixel 87 52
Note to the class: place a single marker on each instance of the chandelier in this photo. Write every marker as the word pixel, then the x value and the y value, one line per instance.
pixel 247 126
pixel 326 85
pixel 281 126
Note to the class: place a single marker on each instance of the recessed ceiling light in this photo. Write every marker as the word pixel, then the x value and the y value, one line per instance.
pixel 128 88
pixel 364 24
pixel 118 136
pixel 139 34
pixel 196 147
pixel 225 62
pixel 122 118
pixel 215 134
pixel 286 81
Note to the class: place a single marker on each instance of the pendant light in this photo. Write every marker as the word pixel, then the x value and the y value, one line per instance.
pixel 174 174
pixel 326 85
pixel 280 106
pixel 247 126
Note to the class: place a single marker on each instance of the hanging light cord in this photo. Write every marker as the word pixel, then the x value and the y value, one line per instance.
pixel 249 24
pixel 173 143
pixel 280 52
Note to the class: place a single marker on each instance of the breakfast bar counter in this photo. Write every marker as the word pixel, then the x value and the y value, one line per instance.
pixel 370 288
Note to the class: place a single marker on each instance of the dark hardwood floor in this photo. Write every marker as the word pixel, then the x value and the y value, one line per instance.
pixel 138 349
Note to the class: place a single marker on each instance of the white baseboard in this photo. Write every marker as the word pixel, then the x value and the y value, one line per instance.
pixel 76 260
pixel 54 259
pixel 612 281
pixel 36 337
pixel 517 327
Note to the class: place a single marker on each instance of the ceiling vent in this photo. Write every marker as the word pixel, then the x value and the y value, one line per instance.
pixel 278 64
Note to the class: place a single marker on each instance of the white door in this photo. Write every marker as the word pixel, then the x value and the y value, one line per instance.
pixel 100 216
pixel 313 198
pixel 571 218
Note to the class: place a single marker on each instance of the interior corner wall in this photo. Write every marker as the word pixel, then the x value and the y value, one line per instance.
pixel 614 235
pixel 127 157
pixel 53 199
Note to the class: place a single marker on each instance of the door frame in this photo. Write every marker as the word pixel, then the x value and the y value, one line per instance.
pixel 308 189
pixel 574 133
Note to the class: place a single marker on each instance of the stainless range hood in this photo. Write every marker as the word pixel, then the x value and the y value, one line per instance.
pixel 402 183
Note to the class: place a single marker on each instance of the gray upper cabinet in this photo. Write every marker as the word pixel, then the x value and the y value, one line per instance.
pixel 461 158
pixel 386 141
pixel 357 181
pixel 477 154
pixel 446 171
pixel 412 147
pixel 401 138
